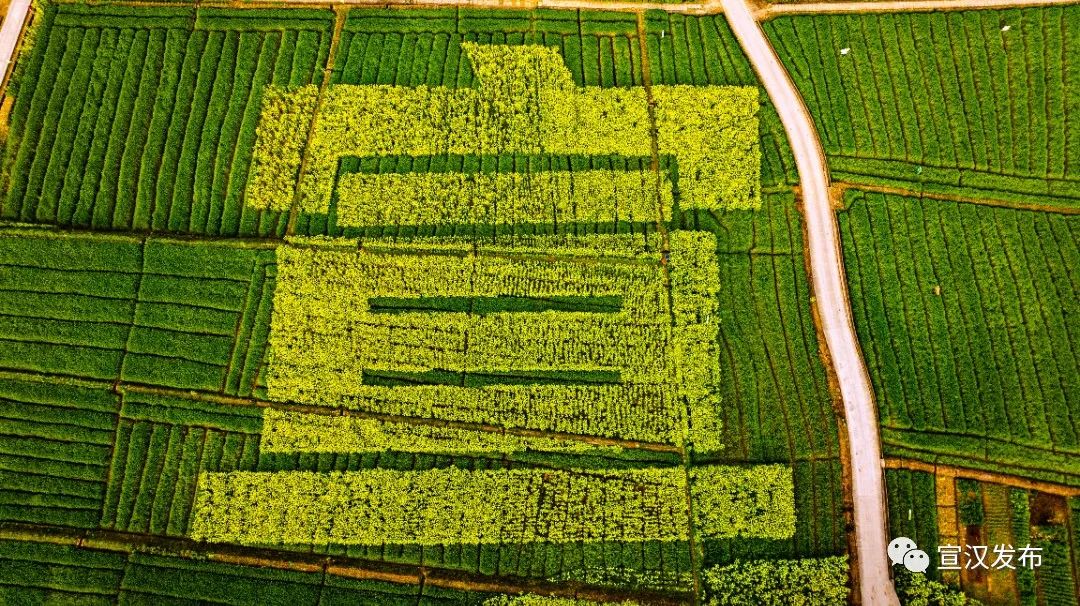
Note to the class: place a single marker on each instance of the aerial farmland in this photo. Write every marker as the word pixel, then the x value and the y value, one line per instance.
pixel 543 303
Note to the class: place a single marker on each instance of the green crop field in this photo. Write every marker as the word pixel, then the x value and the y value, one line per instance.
pixel 948 103
pixel 404 306
pixel 964 313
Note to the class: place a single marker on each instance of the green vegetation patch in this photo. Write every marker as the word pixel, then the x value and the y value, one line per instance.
pixel 974 103
pixel 453 506
pixel 55 440
pixel 808 582
pixel 144 118
pixel 442 506
pixel 719 492
pixel 963 313
pixel 153 311
pixel 49 573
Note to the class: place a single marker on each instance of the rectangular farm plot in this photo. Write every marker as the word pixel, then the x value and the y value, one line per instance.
pixel 170 313
pixel 145 118
pixel 287 432
pixel 452 506
pixel 966 316
pixel 611 371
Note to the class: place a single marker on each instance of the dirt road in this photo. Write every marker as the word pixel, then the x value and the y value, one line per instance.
pixel 16 15
pixel 832 304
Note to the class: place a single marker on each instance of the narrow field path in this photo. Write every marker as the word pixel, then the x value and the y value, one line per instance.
pixel 985 476
pixel 764 9
pixel 696 8
pixel 827 272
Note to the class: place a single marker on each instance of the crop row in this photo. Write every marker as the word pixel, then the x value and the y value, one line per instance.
pixel 54 460
pixel 695 284
pixel 161 445
pixel 154 311
pixel 963 320
pixel 974 103
pixel 44 572
pixel 322 290
pixel 285 431
pixel 113 91
pixel 913 509
pixel 775 401
pixel 591 196
pixel 453 506
pixel 702 50
pixel 58 471
pixel 148 126
pixel 441 506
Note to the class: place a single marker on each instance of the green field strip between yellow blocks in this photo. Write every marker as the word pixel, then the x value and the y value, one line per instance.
pixel 451 506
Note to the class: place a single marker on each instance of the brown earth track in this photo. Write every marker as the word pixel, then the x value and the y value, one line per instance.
pixel 839 187
pixel 654 147
pixel 984 476
pixel 357 568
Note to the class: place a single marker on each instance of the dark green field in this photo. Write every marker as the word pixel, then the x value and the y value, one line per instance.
pixel 945 102
pixel 967 317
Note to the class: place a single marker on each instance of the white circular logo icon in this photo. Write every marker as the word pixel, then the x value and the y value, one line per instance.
pixel 899 547
pixel 916 560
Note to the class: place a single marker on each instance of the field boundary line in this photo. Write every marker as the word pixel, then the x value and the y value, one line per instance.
pixel 842 187
pixel 705 7
pixel 984 476
pixel 665 268
pixel 122 388
pixel 356 568
pixel 899 6
pixel 764 11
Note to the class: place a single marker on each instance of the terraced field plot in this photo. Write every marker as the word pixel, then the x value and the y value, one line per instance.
pixel 159 386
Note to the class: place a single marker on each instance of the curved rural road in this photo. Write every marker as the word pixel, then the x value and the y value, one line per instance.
pixel 832 304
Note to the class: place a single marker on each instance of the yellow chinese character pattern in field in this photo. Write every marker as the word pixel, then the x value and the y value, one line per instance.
pixel 326 338
pixel 525 107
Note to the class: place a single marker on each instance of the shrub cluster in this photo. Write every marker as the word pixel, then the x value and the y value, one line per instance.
pixel 743 502
pixel 808 582
pixel 502 198
pixel 695 284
